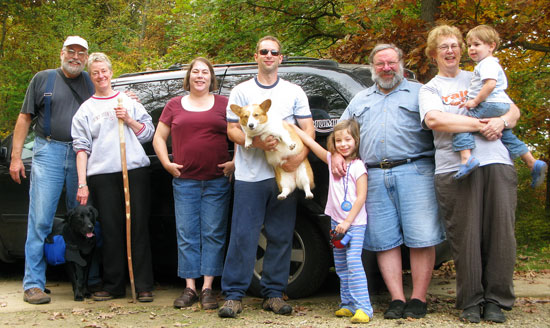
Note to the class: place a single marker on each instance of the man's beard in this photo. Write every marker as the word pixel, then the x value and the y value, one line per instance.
pixel 388 84
pixel 71 69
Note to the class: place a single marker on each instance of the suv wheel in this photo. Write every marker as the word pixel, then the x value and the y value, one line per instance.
pixel 309 262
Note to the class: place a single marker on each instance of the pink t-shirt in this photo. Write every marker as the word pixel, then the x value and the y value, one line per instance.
pixel 199 139
pixel 336 192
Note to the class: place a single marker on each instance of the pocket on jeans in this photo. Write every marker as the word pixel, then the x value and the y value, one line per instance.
pixel 39 146
pixel 424 167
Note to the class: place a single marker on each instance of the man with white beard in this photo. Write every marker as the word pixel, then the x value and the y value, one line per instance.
pixel 53 163
pixel 401 202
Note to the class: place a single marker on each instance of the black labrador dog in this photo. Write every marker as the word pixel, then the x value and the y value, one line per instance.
pixel 78 232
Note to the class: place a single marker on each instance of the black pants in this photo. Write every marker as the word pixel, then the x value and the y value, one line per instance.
pixel 108 196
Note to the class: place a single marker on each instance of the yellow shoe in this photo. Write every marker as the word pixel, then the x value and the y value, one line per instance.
pixel 343 312
pixel 360 317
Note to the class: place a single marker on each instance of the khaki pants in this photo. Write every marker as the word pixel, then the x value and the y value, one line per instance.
pixel 479 215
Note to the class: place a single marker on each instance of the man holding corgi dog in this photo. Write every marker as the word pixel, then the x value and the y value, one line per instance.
pixel 255 194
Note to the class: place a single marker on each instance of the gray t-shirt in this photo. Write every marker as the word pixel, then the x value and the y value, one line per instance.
pixel 447 94
pixel 63 104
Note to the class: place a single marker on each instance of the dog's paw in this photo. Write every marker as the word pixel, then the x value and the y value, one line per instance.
pixel 281 197
pixel 292 146
pixel 309 195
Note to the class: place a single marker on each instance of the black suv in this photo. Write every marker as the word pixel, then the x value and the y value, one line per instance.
pixel 329 86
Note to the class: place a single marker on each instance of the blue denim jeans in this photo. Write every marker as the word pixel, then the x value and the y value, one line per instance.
pixel 53 166
pixel 201 225
pixel 402 207
pixel 465 140
pixel 256 205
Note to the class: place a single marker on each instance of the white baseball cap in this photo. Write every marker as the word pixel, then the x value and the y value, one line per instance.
pixel 74 39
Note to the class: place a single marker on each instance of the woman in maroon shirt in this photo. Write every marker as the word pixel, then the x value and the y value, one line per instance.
pixel 201 168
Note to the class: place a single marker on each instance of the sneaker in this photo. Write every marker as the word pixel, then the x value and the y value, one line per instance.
pixel 471 314
pixel 538 173
pixel 395 310
pixel 415 308
pixel 230 309
pixel 187 298
pixel 464 170
pixel 277 305
pixel 102 296
pixel 208 299
pixel 360 317
pixel 492 312
pixel 35 296
pixel 343 312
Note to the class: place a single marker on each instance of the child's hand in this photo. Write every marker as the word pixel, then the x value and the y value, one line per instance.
pixel 470 104
pixel 342 227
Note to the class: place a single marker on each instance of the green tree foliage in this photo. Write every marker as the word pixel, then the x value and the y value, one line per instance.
pixel 153 34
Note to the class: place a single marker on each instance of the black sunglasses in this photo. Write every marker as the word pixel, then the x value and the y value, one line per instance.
pixel 264 52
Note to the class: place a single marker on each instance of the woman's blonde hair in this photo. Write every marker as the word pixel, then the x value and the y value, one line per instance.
pixel 353 129
pixel 442 31
pixel 99 57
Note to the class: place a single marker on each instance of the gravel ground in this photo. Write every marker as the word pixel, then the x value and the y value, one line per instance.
pixel 532 308
pixel 308 313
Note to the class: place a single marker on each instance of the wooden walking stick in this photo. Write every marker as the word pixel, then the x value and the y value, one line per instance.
pixel 126 201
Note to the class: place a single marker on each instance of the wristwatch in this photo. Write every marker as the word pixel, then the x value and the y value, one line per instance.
pixel 505 122
pixel 80 186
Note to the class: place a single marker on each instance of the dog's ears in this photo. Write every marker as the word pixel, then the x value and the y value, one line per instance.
pixel 266 105
pixel 236 109
pixel 94 212
pixel 69 216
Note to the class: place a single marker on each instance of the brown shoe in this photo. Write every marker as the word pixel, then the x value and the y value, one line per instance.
pixel 186 299
pixel 102 296
pixel 277 305
pixel 145 297
pixel 209 300
pixel 35 296
pixel 230 309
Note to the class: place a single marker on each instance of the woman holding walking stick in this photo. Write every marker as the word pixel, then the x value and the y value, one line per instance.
pixel 96 138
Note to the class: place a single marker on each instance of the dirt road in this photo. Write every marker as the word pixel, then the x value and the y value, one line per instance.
pixel 532 308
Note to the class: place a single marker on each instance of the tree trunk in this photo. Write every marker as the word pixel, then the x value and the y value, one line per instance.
pixel 429 9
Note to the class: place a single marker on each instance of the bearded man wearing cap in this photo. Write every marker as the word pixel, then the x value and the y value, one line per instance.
pixel 53 163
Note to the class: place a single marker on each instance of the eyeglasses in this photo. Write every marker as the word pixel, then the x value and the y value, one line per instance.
pixel 274 52
pixel 80 54
pixel 96 73
pixel 444 47
pixel 382 65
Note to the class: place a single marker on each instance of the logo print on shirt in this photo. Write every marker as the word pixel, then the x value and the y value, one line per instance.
pixel 456 98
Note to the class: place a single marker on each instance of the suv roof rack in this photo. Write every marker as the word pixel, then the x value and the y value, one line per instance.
pixel 286 60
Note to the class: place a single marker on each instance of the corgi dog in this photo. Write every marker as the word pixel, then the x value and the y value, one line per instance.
pixel 255 121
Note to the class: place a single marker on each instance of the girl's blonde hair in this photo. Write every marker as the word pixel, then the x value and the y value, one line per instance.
pixel 353 128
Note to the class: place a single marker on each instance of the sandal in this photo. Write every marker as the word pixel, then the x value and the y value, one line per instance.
pixel 465 169
pixel 538 173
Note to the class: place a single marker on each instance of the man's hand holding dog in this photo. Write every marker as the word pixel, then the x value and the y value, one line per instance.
pixel 291 163
pixel 269 144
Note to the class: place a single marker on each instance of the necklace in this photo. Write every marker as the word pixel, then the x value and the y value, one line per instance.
pixel 346 204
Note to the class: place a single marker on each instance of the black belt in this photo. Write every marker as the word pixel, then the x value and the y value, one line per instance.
pixel 385 164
